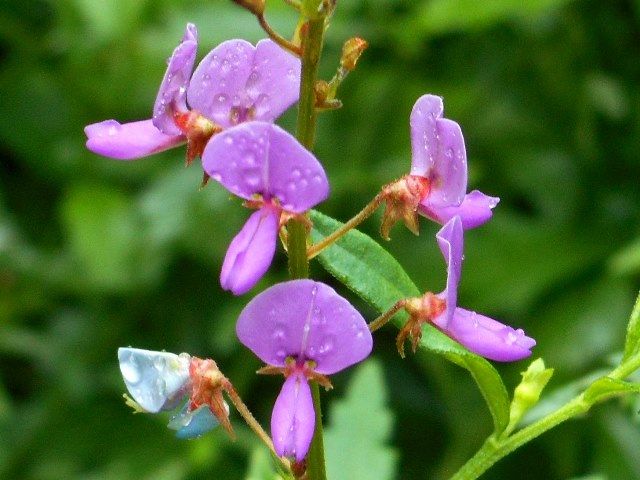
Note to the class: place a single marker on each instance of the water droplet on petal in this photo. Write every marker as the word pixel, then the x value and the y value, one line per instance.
pixel 130 371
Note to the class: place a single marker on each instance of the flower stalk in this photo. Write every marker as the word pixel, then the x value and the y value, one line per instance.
pixel 360 217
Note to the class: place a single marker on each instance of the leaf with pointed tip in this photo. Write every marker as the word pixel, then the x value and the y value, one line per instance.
pixel 373 274
pixel 356 441
pixel 607 387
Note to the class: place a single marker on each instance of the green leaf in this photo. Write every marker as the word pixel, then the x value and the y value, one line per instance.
pixel 356 440
pixel 607 387
pixel 374 275
pixel 261 466
pixel 632 342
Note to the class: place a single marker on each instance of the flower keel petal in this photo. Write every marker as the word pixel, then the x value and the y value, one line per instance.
pixel 476 209
pixel 250 252
pixel 128 141
pixel 488 337
pixel 293 418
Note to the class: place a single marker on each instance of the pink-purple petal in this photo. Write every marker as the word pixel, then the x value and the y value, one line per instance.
pixel 218 82
pixel 172 95
pixel 488 337
pixel 261 158
pixel 293 418
pixel 475 210
pixel 128 141
pixel 251 251
pixel 438 151
pixel 306 320
pixel 274 84
pixel 451 242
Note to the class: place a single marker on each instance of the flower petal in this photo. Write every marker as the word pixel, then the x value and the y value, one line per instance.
pixel 306 320
pixel 488 337
pixel 260 82
pixel 274 83
pixel 193 423
pixel 451 242
pixel 261 158
pixel 128 141
pixel 219 81
pixel 475 210
pixel 250 252
pixel 172 95
pixel 293 418
pixel 156 380
pixel 438 151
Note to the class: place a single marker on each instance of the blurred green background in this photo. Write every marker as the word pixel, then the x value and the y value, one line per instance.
pixel 97 254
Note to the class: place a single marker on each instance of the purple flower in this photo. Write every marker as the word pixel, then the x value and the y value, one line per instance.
pixel 234 83
pixel 437 184
pixel 482 335
pixel 305 330
pixel 439 155
pixel 263 164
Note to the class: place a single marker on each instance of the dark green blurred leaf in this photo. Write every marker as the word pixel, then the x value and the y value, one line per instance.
pixel 356 441
pixel 107 239
pixel 373 274
pixel 439 16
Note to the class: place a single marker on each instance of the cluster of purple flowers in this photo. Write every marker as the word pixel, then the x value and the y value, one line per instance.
pixel 303 329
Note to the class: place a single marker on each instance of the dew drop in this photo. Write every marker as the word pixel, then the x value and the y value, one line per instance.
pixel 130 371
pixel 278 333
pixel 296 173
pixel 159 363
pixel 326 346
pixel 228 140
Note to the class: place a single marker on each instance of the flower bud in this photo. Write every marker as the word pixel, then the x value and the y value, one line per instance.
pixel 351 51
pixel 527 393
pixel 254 6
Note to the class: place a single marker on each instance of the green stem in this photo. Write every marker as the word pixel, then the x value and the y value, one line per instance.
pixel 297 234
pixel 315 458
pixel 495 448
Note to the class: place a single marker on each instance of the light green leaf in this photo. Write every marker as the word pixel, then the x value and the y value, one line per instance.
pixel 261 466
pixel 373 274
pixel 607 387
pixel 356 440
pixel 632 342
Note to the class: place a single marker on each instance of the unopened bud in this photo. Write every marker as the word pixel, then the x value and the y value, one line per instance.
pixel 254 6
pixel 351 51
pixel 527 393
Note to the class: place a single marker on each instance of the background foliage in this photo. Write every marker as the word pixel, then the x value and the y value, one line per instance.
pixel 96 254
